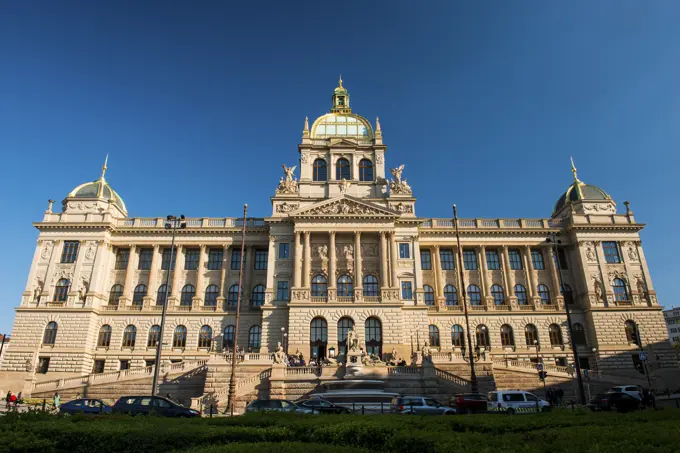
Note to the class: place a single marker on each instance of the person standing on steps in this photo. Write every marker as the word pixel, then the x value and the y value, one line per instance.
pixel 56 400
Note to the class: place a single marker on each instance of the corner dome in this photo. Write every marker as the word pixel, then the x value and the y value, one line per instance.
pixel 580 191
pixel 99 189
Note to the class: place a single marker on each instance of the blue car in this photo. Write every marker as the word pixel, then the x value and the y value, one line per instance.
pixel 85 406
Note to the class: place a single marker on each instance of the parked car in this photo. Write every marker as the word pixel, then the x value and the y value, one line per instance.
pixel 419 405
pixel 468 403
pixel 152 405
pixel 632 390
pixel 276 406
pixel 320 406
pixel 85 406
pixel 515 401
pixel 615 402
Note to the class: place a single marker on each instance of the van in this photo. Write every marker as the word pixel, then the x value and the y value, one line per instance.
pixel 515 401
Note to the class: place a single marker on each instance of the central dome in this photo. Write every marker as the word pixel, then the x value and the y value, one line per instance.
pixel 342 125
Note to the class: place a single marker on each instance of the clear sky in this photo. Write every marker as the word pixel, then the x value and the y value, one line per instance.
pixel 199 103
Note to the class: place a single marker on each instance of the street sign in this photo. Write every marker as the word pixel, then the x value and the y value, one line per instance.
pixel 643 356
pixel 539 367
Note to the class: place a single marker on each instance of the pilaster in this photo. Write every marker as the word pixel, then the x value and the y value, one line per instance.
pixel 383 261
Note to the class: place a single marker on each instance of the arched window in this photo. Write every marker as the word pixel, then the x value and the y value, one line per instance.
pixel 544 294
pixel 154 336
pixel 507 337
pixel 429 295
pixel 345 286
pixel 61 290
pixel 482 334
pixel 188 293
pixel 129 336
pixel 160 295
pixel 365 170
pixel 104 338
pixel 620 290
pixel 179 339
pixel 457 336
pixel 320 170
pixel 555 335
pixel 319 286
pixel 205 337
pixel 475 295
pixel 370 286
pixel 342 169
pixel 50 336
pixel 232 296
pixel 497 294
pixel 139 294
pixel 318 337
pixel 451 295
pixel 254 338
pixel 115 294
pixel 373 334
pixel 567 294
pixel 434 336
pixel 521 293
pixel 211 293
pixel 344 325
pixel 228 337
pixel 631 332
pixel 579 334
pixel 531 335
pixel 258 295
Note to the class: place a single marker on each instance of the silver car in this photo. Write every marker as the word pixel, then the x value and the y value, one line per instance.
pixel 276 406
pixel 419 405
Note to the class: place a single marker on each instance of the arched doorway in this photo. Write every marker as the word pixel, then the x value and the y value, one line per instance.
pixel 318 338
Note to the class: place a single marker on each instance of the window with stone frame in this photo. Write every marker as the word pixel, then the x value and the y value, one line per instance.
pixel 457 336
pixel 154 335
pixel 129 336
pixel 429 295
pixel 370 286
pixel 320 170
pixel 98 367
pixel 404 251
pixel 254 338
pixel 122 259
pixel 261 257
pixel 124 364
pixel 115 294
pixel 191 259
pixel 507 336
pixel 50 335
pixel 205 337
pixel 319 286
pixel 345 286
pixel 228 337
pixel 515 259
pixel 257 299
pixel 61 290
pixel 342 169
pixel 179 337
pixel 434 336
pixel 555 333
pixel 544 294
pixel 282 290
pixel 365 170
pixel 43 365
pixel 139 294
pixel 447 261
pixel 212 292
pixel 236 259
pixel 474 294
pixel 531 335
pixel 284 250
pixel 188 293
pixel 166 257
pixel 493 262
pixel 145 259
pixel 537 259
pixel 69 253
pixel 497 294
pixel 215 257
pixel 611 252
pixel 521 294
pixel 425 259
pixel 104 337
pixel 451 295
pixel 470 260
pixel 406 291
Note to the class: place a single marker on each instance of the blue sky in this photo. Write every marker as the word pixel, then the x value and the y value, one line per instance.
pixel 199 103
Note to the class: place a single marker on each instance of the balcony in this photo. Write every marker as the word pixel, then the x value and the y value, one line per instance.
pixel 526 307
pixel 486 224
pixel 344 298
pixel 225 222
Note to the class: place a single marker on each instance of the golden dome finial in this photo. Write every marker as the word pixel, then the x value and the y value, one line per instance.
pixel 104 167
pixel 573 169
pixel 340 82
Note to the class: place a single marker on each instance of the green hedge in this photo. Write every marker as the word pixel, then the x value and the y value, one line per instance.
pixel 561 431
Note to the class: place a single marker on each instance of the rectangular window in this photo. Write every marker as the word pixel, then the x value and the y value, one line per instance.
pixel 70 252
pixel 191 258
pixel 470 260
pixel 406 291
pixel 149 363
pixel 446 258
pixel 492 261
pixel 611 252
pixel 98 367
pixel 282 291
pixel 426 260
pixel 261 260
pixel 404 251
pixel 145 258
pixel 43 365
pixel 165 262
pixel 122 258
pixel 284 250
pixel 515 259
pixel 215 259
pixel 236 259
pixel 537 259
pixel 124 365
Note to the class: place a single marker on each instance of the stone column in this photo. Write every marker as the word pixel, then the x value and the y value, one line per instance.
pixel 606 282
pixel 393 260
pixel 458 283
pixel 418 274
pixel 200 274
pixel 647 279
pixel 332 261
pixel 133 263
pixel 508 278
pixel 530 272
pixel 297 264
pixel 383 261
pixel 223 275
pixel 248 271
pixel 50 282
pixel 358 268
pixel 174 289
pixel 559 300
pixel 486 287
pixel 153 274
pixel 271 268
pixel 437 271
pixel 307 268
pixel 99 271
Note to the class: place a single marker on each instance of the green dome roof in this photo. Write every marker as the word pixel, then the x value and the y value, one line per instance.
pixel 98 189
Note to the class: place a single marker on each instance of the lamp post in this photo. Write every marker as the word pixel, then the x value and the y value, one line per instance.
pixel 555 242
pixel 595 360
pixel 172 223
pixel 283 335
pixel 285 343
pixel 473 375
pixel 539 364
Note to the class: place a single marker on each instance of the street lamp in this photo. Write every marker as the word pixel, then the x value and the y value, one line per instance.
pixel 555 242
pixel 539 367
pixel 473 375
pixel 172 223
pixel 285 342
pixel 595 360
pixel 283 333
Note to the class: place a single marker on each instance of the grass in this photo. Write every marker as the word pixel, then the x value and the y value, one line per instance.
pixel 557 432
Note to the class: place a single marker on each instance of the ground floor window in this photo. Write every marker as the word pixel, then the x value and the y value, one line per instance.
pixel 345 324
pixel 98 367
pixel 373 333
pixel 124 365
pixel 318 337
pixel 43 365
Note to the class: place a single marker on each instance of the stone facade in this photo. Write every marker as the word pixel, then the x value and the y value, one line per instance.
pixel 342 242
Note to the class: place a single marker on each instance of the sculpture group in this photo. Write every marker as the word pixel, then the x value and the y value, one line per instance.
pixel 289 184
pixel 399 186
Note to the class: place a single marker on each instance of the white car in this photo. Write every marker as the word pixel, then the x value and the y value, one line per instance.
pixel 515 402
pixel 632 390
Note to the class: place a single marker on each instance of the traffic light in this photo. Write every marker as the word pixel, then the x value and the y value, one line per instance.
pixel 542 375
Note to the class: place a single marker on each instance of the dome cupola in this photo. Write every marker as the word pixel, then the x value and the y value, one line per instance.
pixel 584 197
pixel 95 192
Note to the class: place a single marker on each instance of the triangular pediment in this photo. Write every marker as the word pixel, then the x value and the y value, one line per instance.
pixel 340 142
pixel 345 206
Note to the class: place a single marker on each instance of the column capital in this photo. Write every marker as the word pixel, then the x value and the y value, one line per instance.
pixel 203 247
pixel 307 233
pixel 332 233
pixel 382 233
pixel 436 248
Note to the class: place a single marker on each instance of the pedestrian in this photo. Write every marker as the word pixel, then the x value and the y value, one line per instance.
pixel 56 400
pixel 7 398
pixel 585 374
pixel 550 396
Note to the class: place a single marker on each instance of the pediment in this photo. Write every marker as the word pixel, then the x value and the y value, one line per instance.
pixel 345 206
pixel 340 142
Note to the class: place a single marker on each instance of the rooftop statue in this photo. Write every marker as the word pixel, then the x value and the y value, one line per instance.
pixel 289 184
pixel 399 186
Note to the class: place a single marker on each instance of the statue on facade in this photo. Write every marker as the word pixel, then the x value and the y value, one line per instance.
pixel 352 340
pixel 344 185
pixel 427 351
pixel 279 355
pixel 399 186
pixel 37 292
pixel 599 293
pixel 288 184
pixel 641 288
